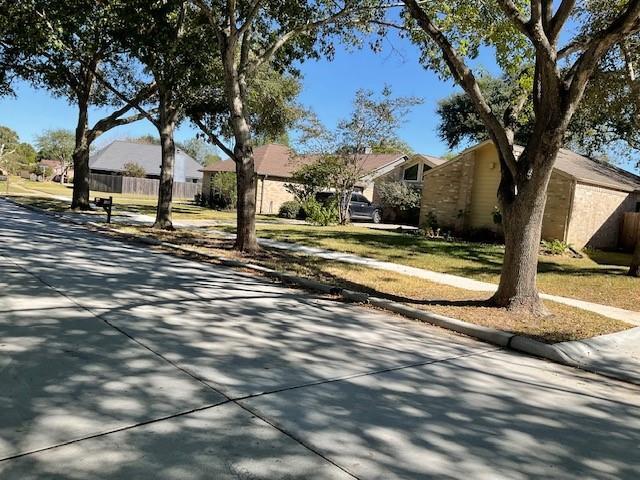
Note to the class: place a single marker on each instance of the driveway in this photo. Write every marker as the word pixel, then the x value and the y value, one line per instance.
pixel 119 362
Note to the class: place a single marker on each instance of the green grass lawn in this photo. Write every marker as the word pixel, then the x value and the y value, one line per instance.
pixel 182 209
pixel 598 277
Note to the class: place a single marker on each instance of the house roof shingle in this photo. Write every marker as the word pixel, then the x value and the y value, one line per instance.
pixel 600 173
pixel 279 161
pixel 117 154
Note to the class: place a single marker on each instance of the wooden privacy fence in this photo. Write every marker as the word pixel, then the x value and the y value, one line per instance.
pixel 139 186
pixel 630 230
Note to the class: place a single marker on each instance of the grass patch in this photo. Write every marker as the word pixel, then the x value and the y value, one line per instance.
pixel 565 324
pixel 181 210
pixel 599 277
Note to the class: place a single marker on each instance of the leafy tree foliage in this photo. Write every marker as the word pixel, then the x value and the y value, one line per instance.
pixel 224 193
pixel 397 194
pixel 57 145
pixel 605 122
pixel 200 150
pixel 341 157
pixel 459 119
pixel 16 155
pixel 68 50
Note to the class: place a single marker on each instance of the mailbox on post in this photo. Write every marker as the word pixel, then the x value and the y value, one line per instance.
pixel 107 204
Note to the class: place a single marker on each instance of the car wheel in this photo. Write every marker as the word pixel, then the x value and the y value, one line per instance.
pixel 377 216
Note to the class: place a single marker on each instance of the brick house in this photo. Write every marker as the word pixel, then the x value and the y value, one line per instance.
pixel 586 199
pixel 56 168
pixel 275 165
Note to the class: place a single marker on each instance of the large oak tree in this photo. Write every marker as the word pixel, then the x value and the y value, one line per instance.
pixel 70 52
pixel 252 34
pixel 526 36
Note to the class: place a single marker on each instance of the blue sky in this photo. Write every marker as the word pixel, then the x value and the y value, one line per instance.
pixel 328 88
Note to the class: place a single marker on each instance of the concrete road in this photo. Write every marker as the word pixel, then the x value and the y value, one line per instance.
pixel 118 362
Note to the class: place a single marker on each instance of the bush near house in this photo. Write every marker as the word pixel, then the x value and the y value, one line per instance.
pixel 400 202
pixel 321 214
pixel 290 209
pixel 223 192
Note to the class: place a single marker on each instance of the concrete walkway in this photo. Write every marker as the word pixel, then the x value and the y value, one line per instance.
pixel 119 362
pixel 628 316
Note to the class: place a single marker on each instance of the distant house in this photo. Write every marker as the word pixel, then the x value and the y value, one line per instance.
pixel 410 171
pixel 586 198
pixel 56 168
pixel 113 158
pixel 275 165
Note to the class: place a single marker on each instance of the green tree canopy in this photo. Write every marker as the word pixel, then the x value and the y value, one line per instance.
pixel 56 144
pixel 16 155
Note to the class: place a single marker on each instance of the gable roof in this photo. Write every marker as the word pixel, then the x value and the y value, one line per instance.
pixel 117 154
pixel 280 161
pixel 429 159
pixel 581 168
pixel 589 170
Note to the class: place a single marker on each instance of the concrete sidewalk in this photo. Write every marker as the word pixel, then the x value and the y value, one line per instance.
pixel 119 362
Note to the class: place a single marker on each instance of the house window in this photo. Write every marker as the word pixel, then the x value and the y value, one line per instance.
pixel 411 173
pixel 638 207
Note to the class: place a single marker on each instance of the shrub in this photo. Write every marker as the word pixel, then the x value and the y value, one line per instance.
pixel 290 209
pixel 224 191
pixel 554 247
pixel 399 195
pixel 132 169
pixel 431 221
pixel 320 214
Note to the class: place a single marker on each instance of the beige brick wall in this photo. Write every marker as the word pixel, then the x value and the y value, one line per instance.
pixel 486 178
pixel 597 215
pixel 446 192
pixel 556 211
pixel 272 194
pixel 470 185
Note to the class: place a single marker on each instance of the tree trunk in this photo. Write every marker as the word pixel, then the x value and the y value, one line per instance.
pixel 81 174
pixel 235 90
pixel 344 202
pixel 634 269
pixel 522 221
pixel 80 198
pixel 168 147
pixel 165 191
pixel 246 239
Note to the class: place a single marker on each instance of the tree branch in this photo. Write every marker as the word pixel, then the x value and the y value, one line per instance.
pixel 282 40
pixel 559 19
pixel 213 138
pixel 531 28
pixel 253 11
pixel 625 24
pixel 465 78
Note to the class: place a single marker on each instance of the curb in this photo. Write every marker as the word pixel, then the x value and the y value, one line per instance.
pixel 500 338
